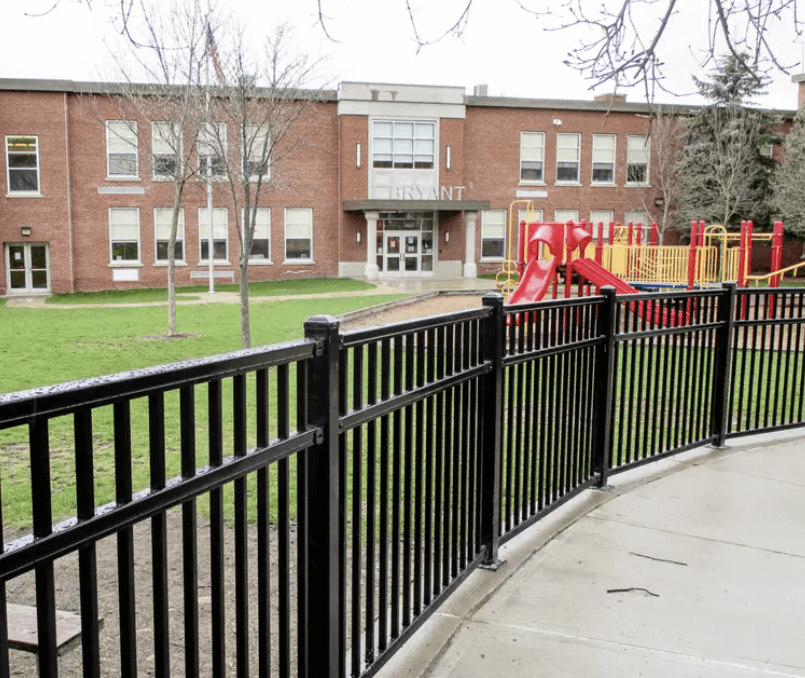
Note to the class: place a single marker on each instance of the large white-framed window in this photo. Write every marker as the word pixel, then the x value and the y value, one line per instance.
pixel 22 165
pixel 493 234
pixel 636 216
pixel 563 216
pixel 163 220
pixel 124 235
pixel 257 153
pixel 568 149
pixel 166 147
pixel 403 144
pixel 211 146
pixel 220 234
pixel 638 151
pixel 121 149
pixel 261 241
pixel 299 234
pixel 604 148
pixel 601 217
pixel 532 157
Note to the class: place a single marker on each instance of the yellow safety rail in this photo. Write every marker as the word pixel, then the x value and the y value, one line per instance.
pixel 508 276
pixel 756 279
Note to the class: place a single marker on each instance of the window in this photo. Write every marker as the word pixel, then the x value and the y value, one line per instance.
pixel 493 234
pixel 637 156
pixel 530 217
pixel 299 233
pixel 166 146
pixel 567 157
pixel 532 156
pixel 163 218
pixel 604 158
pixel 121 149
pixel 211 143
pixel 563 216
pixel 124 234
pixel 22 163
pixel 636 217
pixel 220 233
pixel 601 217
pixel 257 152
pixel 261 240
pixel 403 145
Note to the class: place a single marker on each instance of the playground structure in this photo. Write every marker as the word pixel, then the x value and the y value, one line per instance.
pixel 630 258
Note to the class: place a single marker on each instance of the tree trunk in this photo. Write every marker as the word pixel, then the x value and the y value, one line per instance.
pixel 245 331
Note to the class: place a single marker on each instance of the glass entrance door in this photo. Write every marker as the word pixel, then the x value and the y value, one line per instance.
pixel 28 266
pixel 402 253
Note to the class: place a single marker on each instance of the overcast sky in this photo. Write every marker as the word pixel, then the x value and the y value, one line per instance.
pixel 502 47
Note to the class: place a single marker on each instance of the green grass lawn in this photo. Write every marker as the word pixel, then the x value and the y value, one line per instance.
pixel 188 292
pixel 51 346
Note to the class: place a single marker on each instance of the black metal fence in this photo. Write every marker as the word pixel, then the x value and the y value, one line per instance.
pixel 326 495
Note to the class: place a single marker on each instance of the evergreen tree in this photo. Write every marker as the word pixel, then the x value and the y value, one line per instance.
pixel 789 180
pixel 725 167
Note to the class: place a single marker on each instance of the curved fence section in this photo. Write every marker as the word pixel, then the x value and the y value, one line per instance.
pixel 301 509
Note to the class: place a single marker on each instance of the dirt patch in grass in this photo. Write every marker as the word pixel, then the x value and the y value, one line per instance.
pixel 170 337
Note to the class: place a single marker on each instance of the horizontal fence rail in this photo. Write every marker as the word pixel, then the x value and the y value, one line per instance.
pixel 301 509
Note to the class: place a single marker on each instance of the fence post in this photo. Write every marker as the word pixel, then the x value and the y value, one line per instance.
pixel 604 376
pixel 721 373
pixel 322 600
pixel 491 414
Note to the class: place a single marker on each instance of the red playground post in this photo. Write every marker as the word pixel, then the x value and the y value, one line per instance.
pixel 776 253
pixel 694 229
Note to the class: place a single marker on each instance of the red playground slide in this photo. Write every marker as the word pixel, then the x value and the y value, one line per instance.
pixel 599 276
pixel 535 281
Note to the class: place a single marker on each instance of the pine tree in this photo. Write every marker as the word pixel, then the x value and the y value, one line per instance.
pixel 789 180
pixel 725 166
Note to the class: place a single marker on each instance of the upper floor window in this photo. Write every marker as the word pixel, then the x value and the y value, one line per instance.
pixel 163 222
pixel 637 157
pixel 257 153
pixel 166 146
pixel 604 158
pixel 211 147
pixel 493 234
pixel 124 235
pixel 22 164
pixel 532 156
pixel 403 145
pixel 568 147
pixel 121 149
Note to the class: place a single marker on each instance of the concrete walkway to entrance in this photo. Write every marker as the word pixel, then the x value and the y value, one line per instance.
pixel 382 288
pixel 693 566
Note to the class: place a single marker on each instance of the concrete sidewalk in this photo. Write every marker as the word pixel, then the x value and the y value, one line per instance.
pixel 384 288
pixel 693 566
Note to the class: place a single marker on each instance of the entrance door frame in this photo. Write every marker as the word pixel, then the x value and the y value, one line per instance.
pixel 29 289
pixel 404 256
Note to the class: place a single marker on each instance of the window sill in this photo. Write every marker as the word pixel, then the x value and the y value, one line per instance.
pixel 164 264
pixel 125 264
pixel 638 185
pixel 24 194
pixel 261 262
pixel 218 263
pixel 122 178
pixel 299 262
pixel 492 260
pixel 567 183
pixel 604 184
pixel 532 183
pixel 266 179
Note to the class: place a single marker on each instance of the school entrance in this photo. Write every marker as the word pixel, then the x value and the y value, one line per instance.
pixel 405 244
pixel 27 268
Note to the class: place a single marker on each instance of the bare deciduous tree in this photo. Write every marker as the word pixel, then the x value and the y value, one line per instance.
pixel 163 85
pixel 256 104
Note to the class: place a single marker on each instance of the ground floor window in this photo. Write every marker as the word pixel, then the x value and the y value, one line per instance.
pixel 563 216
pixel 299 234
pixel 261 238
pixel 163 222
pixel 493 234
pixel 406 243
pixel 124 234
pixel 220 233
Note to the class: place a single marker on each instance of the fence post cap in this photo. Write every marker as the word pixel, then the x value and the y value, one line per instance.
pixel 321 322
pixel 492 299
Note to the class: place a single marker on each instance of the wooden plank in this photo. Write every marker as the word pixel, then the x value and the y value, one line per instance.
pixel 22 633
